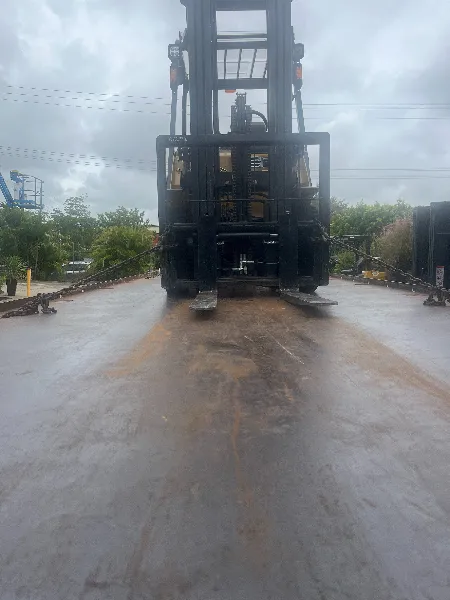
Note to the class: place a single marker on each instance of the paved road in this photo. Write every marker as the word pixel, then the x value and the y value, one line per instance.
pixel 263 453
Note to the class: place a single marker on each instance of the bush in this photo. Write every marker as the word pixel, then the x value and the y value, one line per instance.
pixel 395 244
pixel 14 268
pixel 345 260
pixel 116 244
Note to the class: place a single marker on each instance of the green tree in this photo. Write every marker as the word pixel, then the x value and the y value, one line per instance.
pixel 116 244
pixel 368 219
pixel 345 260
pixel 46 241
pixel 74 228
pixel 363 219
pixel 76 208
pixel 29 236
pixel 123 217
pixel 337 206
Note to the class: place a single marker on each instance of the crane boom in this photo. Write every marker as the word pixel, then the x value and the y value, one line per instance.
pixel 5 191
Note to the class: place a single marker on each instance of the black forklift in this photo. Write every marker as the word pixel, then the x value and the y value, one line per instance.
pixel 238 207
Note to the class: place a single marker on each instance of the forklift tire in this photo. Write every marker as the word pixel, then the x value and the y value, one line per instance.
pixel 308 290
pixel 172 293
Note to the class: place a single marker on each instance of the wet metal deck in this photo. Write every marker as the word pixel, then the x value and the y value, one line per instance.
pixel 263 452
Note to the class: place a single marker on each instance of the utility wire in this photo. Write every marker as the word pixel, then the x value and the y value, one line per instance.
pixel 62 91
pixel 78 162
pixel 159 113
pixel 380 105
pixel 150 166
pixel 53 154
pixel 391 178
pixel 128 167
pixel 78 98
pixel 411 169
pixel 147 112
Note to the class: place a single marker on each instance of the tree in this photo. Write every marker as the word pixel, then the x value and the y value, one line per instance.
pixel 77 209
pixel 363 219
pixel 46 241
pixel 29 236
pixel 345 260
pixel 338 206
pixel 123 217
pixel 47 256
pixel 116 244
pixel 395 244
pixel 367 219
pixel 74 228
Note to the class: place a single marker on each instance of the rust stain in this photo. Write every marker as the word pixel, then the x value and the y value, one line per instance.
pixel 200 418
pixel 152 344
pixel 223 359
pixel 372 356
pixel 289 395
pixel 172 324
pixel 135 564
pixel 253 524
pixel 244 491
pixel 134 572
pixel 236 367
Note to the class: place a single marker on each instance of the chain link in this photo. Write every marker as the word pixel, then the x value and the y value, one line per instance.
pixel 32 306
pixel 442 295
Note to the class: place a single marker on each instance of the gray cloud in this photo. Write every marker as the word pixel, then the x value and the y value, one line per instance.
pixel 376 53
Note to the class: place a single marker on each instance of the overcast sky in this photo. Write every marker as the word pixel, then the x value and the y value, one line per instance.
pixel 360 53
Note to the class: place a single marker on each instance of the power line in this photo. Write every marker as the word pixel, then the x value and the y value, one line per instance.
pixel 412 118
pixel 373 107
pixel 62 91
pixel 153 170
pixel 392 178
pixel 53 153
pixel 78 162
pixel 78 98
pixel 125 163
pixel 86 107
pixel 409 169
pixel 377 105
pixel 154 112
pixel 383 106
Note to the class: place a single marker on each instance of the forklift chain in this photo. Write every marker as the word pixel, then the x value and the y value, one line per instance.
pixel 32 306
pixel 437 296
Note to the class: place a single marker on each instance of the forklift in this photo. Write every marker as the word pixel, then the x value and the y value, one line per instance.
pixel 237 205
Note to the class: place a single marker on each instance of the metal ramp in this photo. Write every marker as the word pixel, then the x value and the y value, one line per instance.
pixel 302 299
pixel 204 301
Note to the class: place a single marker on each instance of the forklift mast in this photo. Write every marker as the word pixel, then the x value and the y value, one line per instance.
pixel 238 206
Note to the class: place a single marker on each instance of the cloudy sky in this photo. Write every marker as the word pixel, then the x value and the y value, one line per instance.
pixel 84 90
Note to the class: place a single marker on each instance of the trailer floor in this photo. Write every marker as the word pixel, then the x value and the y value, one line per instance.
pixel 263 452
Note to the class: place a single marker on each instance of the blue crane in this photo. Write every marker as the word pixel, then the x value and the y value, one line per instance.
pixel 5 191
pixel 20 198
